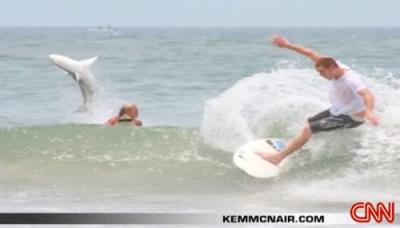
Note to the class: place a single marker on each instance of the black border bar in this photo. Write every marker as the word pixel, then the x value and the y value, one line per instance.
pixel 108 218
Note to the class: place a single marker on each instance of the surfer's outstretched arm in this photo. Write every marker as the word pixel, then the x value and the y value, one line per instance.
pixel 281 42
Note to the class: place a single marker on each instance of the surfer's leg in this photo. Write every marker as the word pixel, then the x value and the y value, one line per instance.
pixel 300 139
pixel 297 142
pixel 318 123
pixel 294 144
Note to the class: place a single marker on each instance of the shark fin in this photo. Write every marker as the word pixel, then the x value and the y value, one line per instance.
pixel 88 62
pixel 75 76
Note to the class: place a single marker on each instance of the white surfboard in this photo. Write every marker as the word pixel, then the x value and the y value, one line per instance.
pixel 245 158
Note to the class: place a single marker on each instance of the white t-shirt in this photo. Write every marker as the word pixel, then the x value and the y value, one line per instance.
pixel 343 93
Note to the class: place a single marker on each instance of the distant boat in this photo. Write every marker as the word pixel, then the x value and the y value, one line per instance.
pixel 105 29
pixel 108 29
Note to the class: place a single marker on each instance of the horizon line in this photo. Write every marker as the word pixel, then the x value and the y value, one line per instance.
pixel 173 26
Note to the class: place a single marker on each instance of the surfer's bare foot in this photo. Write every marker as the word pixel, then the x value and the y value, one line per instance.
pixel 273 158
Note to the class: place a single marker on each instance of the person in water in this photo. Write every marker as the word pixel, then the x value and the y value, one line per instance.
pixel 128 113
pixel 351 101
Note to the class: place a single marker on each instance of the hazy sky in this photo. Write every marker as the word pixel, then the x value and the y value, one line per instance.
pixel 205 13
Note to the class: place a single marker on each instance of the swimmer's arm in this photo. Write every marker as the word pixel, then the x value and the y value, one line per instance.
pixel 137 122
pixel 112 121
pixel 281 42
pixel 369 101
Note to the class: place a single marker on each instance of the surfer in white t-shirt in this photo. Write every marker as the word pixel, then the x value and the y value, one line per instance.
pixel 351 101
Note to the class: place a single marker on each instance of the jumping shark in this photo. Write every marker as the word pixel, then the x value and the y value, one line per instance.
pixel 80 72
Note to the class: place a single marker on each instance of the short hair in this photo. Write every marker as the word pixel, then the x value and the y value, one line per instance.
pixel 124 108
pixel 127 106
pixel 326 62
pixel 121 112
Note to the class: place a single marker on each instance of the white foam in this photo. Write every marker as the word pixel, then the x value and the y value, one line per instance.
pixel 259 105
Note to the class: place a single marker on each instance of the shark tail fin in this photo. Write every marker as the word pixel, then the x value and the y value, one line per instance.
pixel 86 63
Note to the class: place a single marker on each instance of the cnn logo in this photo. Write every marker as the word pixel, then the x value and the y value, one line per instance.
pixel 363 212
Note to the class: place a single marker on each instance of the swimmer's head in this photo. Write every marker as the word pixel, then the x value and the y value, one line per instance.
pixel 130 110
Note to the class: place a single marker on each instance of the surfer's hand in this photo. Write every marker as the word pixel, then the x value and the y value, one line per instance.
pixel 280 41
pixel 372 118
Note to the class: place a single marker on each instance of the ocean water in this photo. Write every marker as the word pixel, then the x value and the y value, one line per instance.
pixel 201 93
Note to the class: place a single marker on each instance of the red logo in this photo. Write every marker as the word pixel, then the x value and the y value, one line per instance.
pixel 362 212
